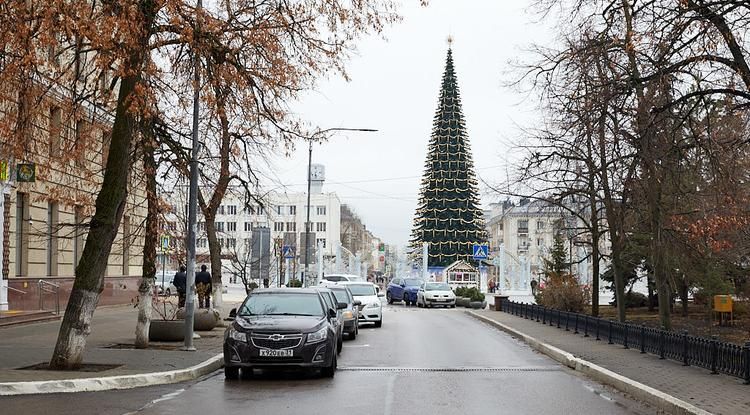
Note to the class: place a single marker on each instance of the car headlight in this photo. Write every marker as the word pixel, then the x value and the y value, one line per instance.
pixel 373 305
pixel 348 314
pixel 318 336
pixel 238 335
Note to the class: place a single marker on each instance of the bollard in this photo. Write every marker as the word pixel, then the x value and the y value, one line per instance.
pixel 685 348
pixel 626 326
pixel 643 337
pixel 746 354
pixel 610 331
pixel 567 320
pixel 662 342
pixel 714 354
pixel 536 310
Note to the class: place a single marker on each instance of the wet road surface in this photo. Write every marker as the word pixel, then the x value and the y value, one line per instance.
pixel 420 361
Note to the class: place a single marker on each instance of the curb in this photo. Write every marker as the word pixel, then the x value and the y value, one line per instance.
pixel 112 382
pixel 645 393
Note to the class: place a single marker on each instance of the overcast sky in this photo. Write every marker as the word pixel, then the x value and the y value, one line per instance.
pixel 394 88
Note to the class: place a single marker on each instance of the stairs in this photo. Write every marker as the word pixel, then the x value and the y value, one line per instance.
pixel 17 317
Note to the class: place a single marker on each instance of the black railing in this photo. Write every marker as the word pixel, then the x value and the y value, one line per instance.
pixel 708 353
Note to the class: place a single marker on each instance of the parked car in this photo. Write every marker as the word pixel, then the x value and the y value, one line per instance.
pixel 281 328
pixel 370 308
pixel 331 302
pixel 333 279
pixel 351 312
pixel 166 287
pixel 403 289
pixel 435 293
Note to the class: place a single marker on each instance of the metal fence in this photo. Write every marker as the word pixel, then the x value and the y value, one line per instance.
pixel 709 353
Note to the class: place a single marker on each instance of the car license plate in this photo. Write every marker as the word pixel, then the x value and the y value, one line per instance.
pixel 276 353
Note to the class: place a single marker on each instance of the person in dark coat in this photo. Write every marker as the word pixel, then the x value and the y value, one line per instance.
pixel 180 281
pixel 203 287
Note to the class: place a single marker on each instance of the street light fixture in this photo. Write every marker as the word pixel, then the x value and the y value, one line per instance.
pixel 309 170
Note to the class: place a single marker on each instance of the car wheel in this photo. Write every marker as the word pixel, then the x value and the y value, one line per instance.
pixel 329 371
pixel 231 373
pixel 453 306
pixel 353 334
pixel 340 344
pixel 379 323
pixel 388 297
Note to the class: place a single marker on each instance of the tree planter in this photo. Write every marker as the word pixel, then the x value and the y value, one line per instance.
pixel 205 318
pixel 478 304
pixel 462 301
pixel 166 331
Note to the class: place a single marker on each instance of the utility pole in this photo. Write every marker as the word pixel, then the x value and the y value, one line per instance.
pixel 193 199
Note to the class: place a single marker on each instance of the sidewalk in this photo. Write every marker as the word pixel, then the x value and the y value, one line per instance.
pixel 719 394
pixel 110 342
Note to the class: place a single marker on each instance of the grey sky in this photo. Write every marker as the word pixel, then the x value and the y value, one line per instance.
pixel 394 88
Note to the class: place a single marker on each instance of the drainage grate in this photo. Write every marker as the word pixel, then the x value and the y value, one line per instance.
pixel 448 369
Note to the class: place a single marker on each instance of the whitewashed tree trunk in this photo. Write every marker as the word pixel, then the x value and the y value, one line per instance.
pixel 144 314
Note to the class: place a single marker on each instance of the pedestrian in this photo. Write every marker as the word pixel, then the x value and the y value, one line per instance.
pixel 203 287
pixel 534 286
pixel 492 285
pixel 180 282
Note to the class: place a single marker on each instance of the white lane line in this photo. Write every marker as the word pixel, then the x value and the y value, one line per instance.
pixel 165 397
pixel 389 396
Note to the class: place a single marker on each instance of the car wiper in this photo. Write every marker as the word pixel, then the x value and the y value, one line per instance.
pixel 291 314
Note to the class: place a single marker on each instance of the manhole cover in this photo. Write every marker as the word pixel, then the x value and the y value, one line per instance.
pixel 85 367
pixel 151 346
pixel 448 369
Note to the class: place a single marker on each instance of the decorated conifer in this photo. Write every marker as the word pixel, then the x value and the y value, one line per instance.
pixel 448 216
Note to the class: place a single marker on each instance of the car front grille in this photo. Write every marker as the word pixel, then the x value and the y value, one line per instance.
pixel 276 341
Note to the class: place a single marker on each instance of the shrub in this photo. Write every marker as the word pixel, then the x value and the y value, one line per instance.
pixel 461 291
pixel 252 286
pixel 475 294
pixel 294 283
pixel 633 299
pixel 563 292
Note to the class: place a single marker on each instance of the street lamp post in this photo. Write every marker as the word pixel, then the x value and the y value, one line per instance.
pixel 309 170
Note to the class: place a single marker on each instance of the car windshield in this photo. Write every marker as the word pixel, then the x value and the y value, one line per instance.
pixel 362 289
pixel 341 296
pixel 413 282
pixel 282 304
pixel 437 286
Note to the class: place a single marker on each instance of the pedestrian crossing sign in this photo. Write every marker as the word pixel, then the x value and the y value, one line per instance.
pixel 288 251
pixel 481 251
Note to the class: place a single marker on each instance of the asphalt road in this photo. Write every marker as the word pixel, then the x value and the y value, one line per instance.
pixel 420 361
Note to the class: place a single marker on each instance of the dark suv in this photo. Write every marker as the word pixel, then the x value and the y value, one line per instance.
pixel 282 328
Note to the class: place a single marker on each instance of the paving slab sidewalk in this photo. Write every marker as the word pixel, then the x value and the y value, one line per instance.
pixel 31 344
pixel 718 394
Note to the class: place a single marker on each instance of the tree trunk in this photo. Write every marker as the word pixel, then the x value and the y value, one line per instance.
pixel 214 250
pixel 110 205
pixel 145 287
pixel 650 284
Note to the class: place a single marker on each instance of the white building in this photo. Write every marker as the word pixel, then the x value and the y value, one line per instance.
pixel 284 214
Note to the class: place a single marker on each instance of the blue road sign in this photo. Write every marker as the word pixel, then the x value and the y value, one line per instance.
pixel 288 252
pixel 481 251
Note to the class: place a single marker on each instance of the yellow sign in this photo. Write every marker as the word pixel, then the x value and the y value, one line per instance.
pixel 4 170
pixel 723 303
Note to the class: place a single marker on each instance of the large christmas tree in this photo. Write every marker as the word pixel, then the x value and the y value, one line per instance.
pixel 448 216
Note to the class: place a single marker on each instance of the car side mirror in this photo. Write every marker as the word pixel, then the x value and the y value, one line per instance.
pixel 403 285
pixel 381 295
pixel 342 306
pixel 331 313
pixel 357 303
pixel 232 314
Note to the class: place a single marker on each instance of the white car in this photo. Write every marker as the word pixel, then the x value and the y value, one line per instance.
pixel 371 309
pixel 333 279
pixel 435 293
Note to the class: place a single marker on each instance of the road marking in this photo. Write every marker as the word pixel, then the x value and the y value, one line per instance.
pixel 356 345
pixel 389 396
pixel 165 397
pixel 451 369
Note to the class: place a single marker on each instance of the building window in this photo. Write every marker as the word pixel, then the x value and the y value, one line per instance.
pixel 523 226
pixel 291 226
pixel 321 210
pixel 219 226
pixel 52 220
pixel 231 226
pixel 231 243
pixel 321 242
pixel 221 242
pixel 55 131
pixel 248 242
pixel 321 227
pixel 221 210
pixel 231 210
pixel 539 242
pixel 250 209
pixel 248 226
pixel 539 225
pixel 260 210
pixel 292 210
pixel 22 234
pixel 201 226
pixel 125 245
pixel 77 235
pixel 279 210
pixel 278 226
